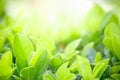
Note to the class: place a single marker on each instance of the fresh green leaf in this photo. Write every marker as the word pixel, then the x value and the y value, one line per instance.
pixel 27 73
pixel 93 18
pixel 109 17
pixel 98 57
pixel 83 66
pixel 116 45
pixel 69 56
pixel 5 72
pixel 63 73
pixel 46 42
pixel 70 48
pixel 86 47
pixel 39 62
pixel 112 37
pixel 2 42
pixel 10 38
pixel 112 29
pixel 99 69
pixel 23 50
pixel 6 59
pixel 107 43
pixel 56 62
pixel 49 76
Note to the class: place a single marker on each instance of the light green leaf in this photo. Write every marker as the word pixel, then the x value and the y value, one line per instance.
pixel 99 69
pixel 98 57
pixel 2 42
pixel 63 73
pixel 112 29
pixel 86 47
pixel 5 72
pixel 83 66
pixel 109 17
pixel 116 45
pixel 46 42
pixel 6 59
pixel 56 62
pixel 93 18
pixel 23 50
pixel 39 62
pixel 69 56
pixel 107 42
pixel 112 37
pixel 113 18
pixel 27 73
pixel 10 38
pixel 70 49
pixel 49 76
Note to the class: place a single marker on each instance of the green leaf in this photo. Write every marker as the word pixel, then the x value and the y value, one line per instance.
pixel 46 42
pixel 86 47
pixel 70 49
pixel 5 66
pixel 10 38
pixel 109 17
pixel 16 77
pixel 112 37
pixel 116 45
pixel 56 62
pixel 107 43
pixel 49 76
pixel 2 42
pixel 27 73
pixel 23 50
pixel 6 59
pixel 63 73
pixel 98 57
pixel 2 7
pixel 112 29
pixel 115 69
pixel 70 56
pixel 40 77
pixel 39 62
pixel 5 72
pixel 99 69
pixel 83 66
pixel 93 18
pixel 116 76
pixel 113 18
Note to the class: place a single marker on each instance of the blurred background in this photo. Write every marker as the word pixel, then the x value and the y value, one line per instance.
pixel 63 20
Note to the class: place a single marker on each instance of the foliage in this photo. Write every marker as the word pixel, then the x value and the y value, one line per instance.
pixel 92 56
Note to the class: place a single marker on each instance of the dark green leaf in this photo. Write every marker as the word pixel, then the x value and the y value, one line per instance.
pixel 116 76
